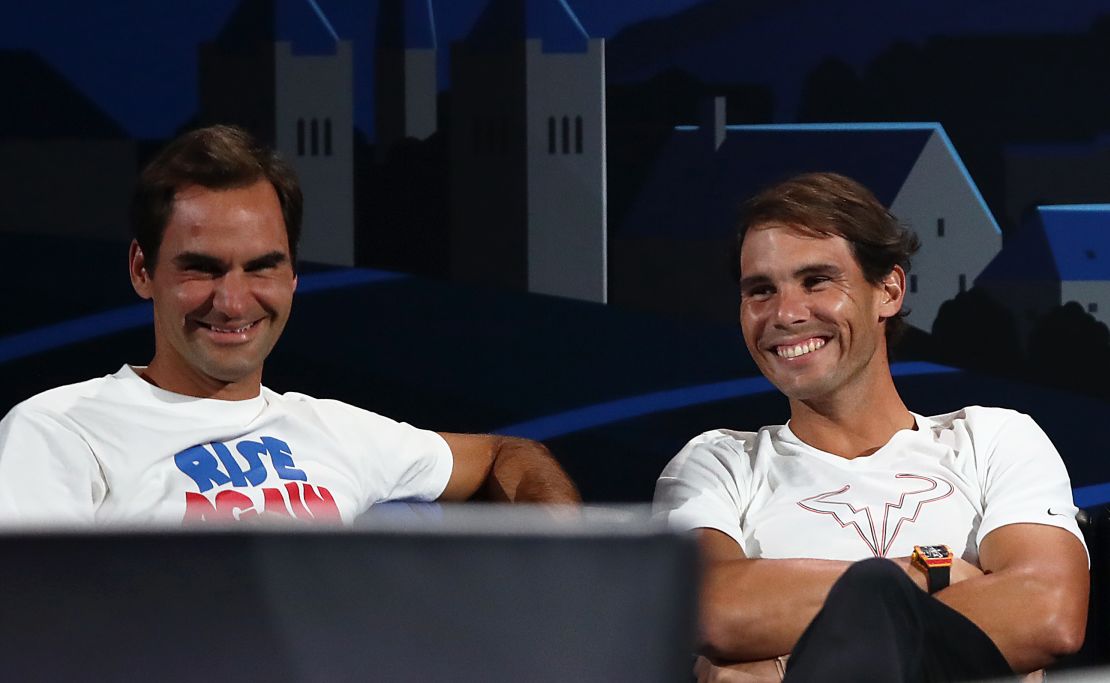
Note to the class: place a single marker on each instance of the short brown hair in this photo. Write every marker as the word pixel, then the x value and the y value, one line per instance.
pixel 831 204
pixel 218 158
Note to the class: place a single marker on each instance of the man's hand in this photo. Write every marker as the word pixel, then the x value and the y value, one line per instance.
pixel 765 671
pixel 505 469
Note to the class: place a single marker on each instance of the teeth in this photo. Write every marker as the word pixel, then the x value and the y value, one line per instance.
pixel 800 349
pixel 231 331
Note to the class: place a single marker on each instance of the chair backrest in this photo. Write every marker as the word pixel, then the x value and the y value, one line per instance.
pixel 1094 522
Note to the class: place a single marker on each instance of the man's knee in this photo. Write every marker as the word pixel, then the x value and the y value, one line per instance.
pixel 866 629
pixel 875 569
pixel 873 578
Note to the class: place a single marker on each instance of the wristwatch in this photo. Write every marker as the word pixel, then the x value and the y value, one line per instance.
pixel 936 562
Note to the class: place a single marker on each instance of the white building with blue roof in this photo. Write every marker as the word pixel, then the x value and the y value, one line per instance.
pixel 297 97
pixel 528 204
pixel 674 249
pixel 1061 254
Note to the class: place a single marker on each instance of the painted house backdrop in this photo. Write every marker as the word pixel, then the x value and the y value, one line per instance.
pixel 519 213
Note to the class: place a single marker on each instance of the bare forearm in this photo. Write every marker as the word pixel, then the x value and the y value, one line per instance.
pixel 757 609
pixel 1032 619
pixel 524 471
pixel 1032 599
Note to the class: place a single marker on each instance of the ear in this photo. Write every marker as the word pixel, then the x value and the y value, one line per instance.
pixel 140 276
pixel 892 292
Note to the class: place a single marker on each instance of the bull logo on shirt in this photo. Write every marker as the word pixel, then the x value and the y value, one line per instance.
pixel 894 515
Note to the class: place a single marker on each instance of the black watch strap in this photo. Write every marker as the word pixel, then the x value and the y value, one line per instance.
pixel 936 562
pixel 938 578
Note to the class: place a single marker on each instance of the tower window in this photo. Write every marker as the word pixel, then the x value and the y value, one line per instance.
pixel 300 137
pixel 940 229
pixel 315 127
pixel 913 284
pixel 327 137
pixel 1092 307
pixel 566 135
pixel 578 135
pixel 963 282
pixel 550 134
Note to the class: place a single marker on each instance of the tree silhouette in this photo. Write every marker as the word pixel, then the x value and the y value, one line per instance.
pixel 833 92
pixel 976 332
pixel 1068 348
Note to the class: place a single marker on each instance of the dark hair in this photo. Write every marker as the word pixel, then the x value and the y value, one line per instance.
pixel 830 204
pixel 218 158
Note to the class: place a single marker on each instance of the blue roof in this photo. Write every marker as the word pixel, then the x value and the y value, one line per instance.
pixel 507 22
pixel 299 22
pixel 696 193
pixel 406 24
pixel 1078 239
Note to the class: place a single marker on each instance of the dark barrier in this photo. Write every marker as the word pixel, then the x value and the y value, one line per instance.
pixel 507 601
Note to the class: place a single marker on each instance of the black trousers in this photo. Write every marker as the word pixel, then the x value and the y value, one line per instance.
pixel 877 625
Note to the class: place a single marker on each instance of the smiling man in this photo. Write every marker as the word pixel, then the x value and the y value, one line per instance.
pixel 193 436
pixel 861 541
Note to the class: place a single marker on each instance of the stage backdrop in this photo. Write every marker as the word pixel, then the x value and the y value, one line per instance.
pixel 520 213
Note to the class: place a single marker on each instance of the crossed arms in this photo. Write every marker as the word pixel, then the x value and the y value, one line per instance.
pixel 1030 596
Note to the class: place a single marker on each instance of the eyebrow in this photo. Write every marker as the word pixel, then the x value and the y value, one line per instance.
pixel 804 271
pixel 817 269
pixel 199 261
pixel 753 280
pixel 274 258
pixel 192 259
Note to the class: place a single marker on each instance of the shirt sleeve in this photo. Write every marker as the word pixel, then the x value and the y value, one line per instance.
pixel 427 463
pixel 397 461
pixel 48 473
pixel 1026 481
pixel 700 488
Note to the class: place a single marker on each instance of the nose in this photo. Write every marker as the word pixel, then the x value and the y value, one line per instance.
pixel 791 307
pixel 232 294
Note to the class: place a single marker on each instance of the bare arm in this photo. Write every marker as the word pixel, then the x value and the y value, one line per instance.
pixel 505 469
pixel 757 609
pixel 1032 601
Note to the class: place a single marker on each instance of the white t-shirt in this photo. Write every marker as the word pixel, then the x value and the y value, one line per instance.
pixel 951 481
pixel 119 450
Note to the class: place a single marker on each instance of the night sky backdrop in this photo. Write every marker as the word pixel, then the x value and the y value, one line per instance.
pixel 137 59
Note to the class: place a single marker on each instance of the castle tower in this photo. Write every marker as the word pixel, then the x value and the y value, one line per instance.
pixel 299 99
pixel 405 72
pixel 528 206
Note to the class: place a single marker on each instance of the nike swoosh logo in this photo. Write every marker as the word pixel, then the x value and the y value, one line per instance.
pixel 1057 512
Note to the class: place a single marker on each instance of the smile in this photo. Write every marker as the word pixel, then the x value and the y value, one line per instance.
pixel 801 349
pixel 228 330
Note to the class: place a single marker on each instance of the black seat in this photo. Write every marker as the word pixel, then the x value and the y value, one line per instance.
pixel 1094 522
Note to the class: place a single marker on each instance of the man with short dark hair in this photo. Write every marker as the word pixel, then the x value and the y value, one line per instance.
pixel 870 542
pixel 194 436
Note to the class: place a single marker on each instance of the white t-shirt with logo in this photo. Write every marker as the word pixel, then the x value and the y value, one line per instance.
pixel 119 450
pixel 953 480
